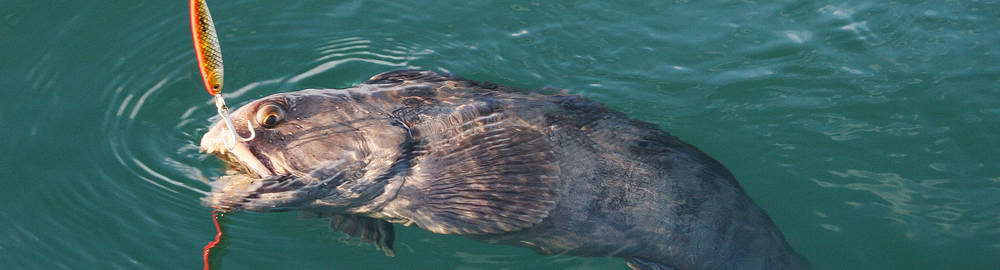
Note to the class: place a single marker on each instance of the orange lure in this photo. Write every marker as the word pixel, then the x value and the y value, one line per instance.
pixel 206 47
pixel 209 54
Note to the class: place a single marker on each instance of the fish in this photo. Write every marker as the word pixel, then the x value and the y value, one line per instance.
pixel 556 173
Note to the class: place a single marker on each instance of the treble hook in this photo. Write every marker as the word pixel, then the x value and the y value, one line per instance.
pixel 223 110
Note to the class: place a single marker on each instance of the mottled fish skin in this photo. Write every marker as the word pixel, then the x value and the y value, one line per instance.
pixel 206 46
pixel 560 174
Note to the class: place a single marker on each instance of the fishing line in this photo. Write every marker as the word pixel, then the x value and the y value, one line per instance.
pixel 207 250
pixel 209 55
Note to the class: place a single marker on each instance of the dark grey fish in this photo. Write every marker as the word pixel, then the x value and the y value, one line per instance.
pixel 556 173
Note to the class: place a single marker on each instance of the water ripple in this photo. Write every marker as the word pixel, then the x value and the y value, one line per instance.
pixel 927 209
pixel 878 120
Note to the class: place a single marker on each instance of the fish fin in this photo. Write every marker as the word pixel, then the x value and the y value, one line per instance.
pixel 407 75
pixel 640 264
pixel 482 173
pixel 369 230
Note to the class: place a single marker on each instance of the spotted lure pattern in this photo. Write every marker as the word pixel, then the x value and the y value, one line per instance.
pixel 206 46
pixel 209 54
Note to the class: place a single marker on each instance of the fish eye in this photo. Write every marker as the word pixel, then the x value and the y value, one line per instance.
pixel 270 115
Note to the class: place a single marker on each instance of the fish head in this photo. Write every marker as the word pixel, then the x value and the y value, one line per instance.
pixel 313 149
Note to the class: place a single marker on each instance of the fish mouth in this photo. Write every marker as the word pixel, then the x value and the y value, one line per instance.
pixel 249 183
pixel 231 193
pixel 256 181
pixel 241 160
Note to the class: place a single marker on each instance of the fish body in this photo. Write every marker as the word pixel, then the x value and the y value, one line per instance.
pixel 559 174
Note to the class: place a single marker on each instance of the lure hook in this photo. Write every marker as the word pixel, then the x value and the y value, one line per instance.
pixel 223 110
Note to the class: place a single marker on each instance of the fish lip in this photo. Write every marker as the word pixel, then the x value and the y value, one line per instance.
pixel 239 156
pixel 243 155
pixel 265 182
pixel 229 196
pixel 248 193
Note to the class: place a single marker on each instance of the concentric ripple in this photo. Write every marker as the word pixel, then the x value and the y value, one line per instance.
pixel 868 130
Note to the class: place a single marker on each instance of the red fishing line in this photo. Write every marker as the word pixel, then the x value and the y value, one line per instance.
pixel 207 250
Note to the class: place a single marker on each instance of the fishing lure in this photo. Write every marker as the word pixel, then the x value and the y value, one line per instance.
pixel 209 54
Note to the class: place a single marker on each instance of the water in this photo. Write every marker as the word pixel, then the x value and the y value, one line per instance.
pixel 867 129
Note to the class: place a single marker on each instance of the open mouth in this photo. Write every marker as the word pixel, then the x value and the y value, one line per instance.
pixel 241 159
pixel 248 183
pixel 254 182
pixel 234 166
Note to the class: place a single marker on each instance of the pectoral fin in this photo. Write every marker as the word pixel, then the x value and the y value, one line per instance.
pixel 368 229
pixel 483 174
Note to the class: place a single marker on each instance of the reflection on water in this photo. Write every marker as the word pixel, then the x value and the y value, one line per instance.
pixel 866 129
pixel 924 209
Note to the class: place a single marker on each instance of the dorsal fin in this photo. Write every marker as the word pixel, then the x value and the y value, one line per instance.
pixel 482 173
pixel 406 75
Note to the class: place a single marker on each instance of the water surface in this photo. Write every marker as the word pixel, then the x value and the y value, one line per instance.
pixel 867 129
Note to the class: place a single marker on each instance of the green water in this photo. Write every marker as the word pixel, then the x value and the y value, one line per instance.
pixel 867 129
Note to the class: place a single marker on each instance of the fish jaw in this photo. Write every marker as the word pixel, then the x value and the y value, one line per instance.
pixel 214 143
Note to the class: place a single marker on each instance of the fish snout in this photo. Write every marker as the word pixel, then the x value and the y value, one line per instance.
pixel 213 140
